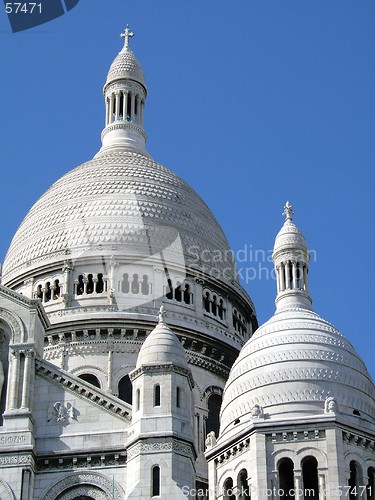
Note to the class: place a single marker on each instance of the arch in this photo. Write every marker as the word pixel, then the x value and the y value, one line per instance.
pixel 285 469
pixel 155 481
pixel 370 487
pixel 91 379
pixel 355 479
pixel 310 477
pixel 228 489
pixel 125 389
pixel 242 484
pixel 156 395
pixel 94 485
pixel 5 491
pixel 99 287
pixel 213 419
pixel 18 334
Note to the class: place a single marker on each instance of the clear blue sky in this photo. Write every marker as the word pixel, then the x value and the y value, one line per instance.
pixel 251 102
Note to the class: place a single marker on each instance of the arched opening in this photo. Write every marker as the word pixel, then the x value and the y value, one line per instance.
pixel 145 288
pixel 286 478
pixel 100 284
pixel 228 490
pixel 213 419
pixel 48 292
pixel 56 289
pixel 39 292
pixel 354 480
pixel 310 478
pixel 221 310
pixel 80 285
pixel 155 491
pixel 206 302
pixel 125 283
pixel 178 292
pixel 187 294
pixel 370 489
pixel 90 378
pixel 169 290
pixel 125 389
pixel 90 284
pixel 121 116
pixel 214 305
pixel 137 399
pixel 244 490
pixel 157 395
pixel 135 284
pixel 128 107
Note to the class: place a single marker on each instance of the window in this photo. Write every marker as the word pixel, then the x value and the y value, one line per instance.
pixel 310 477
pixel 90 378
pixel 135 284
pixel 242 484
pixel 178 397
pixel 213 419
pixel 229 490
pixel 90 284
pixel 125 283
pixel 100 284
pixel 354 480
pixel 156 481
pixel 80 285
pixel 371 483
pixel 137 399
pixel 286 478
pixel 125 389
pixel 145 287
pixel 157 395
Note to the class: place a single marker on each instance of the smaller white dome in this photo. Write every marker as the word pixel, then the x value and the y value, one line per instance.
pixel 162 347
pixel 126 67
pixel 289 237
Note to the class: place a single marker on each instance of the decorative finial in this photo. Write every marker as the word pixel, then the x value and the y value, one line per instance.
pixel 126 35
pixel 162 314
pixel 288 211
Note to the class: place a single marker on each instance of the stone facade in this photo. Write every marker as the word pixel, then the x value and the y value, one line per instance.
pixel 99 402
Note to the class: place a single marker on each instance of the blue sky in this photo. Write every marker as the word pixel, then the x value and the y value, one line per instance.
pixel 251 102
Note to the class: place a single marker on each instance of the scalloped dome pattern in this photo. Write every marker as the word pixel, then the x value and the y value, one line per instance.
pixel 289 236
pixel 162 347
pixel 126 66
pixel 116 204
pixel 290 365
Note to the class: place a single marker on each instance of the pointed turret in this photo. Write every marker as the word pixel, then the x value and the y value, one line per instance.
pixel 291 260
pixel 125 95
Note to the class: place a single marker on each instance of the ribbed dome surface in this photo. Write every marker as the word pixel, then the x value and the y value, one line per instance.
pixel 289 236
pixel 119 203
pixel 290 366
pixel 162 347
pixel 126 66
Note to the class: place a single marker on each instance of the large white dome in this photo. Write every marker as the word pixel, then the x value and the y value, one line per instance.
pixel 119 203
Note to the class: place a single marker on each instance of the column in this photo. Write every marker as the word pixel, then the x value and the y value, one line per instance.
pixel 106 111
pixel 287 275
pixel 132 113
pixel 278 279
pixel 111 100
pixel 125 105
pixel 294 274
pixel 305 277
pixel 26 379
pixel 109 371
pixel 13 386
pixel 117 112
pixel 298 484
pixel 322 486
pixel 138 117
pixel 282 277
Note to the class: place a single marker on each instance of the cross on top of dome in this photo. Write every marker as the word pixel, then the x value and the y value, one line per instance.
pixel 288 211
pixel 126 35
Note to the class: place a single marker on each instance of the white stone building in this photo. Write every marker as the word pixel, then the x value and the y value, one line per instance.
pixel 101 399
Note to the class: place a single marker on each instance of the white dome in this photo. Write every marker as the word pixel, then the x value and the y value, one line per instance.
pixel 120 203
pixel 162 347
pixel 289 237
pixel 290 366
pixel 126 66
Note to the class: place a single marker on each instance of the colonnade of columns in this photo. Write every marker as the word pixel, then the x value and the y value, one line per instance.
pixel 291 276
pixel 124 106
pixel 21 371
